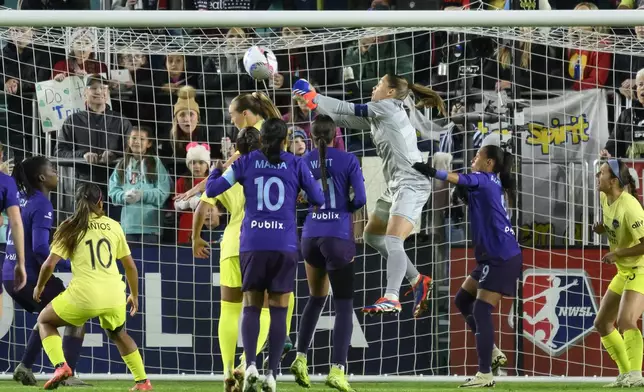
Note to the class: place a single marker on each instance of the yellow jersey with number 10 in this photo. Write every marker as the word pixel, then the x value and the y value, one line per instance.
pixel 96 282
pixel 624 224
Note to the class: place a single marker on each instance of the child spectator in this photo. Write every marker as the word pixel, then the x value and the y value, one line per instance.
pixel 141 184
pixel 136 98
pixel 301 117
pixel 298 142
pixel 185 129
pixel 81 62
pixel 197 160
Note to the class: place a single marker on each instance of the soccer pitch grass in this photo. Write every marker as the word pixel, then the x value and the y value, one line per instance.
pixel 177 386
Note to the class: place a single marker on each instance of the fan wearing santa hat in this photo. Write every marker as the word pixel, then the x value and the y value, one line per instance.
pixel 197 161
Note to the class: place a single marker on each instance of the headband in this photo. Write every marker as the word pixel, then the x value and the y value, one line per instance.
pixel 614 167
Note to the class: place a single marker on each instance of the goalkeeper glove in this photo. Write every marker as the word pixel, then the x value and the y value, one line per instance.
pixel 303 89
pixel 425 169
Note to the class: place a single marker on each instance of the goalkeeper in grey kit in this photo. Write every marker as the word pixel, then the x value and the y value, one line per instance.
pixel 400 206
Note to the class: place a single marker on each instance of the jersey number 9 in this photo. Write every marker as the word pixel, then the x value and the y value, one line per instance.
pixel 264 192
pixel 96 252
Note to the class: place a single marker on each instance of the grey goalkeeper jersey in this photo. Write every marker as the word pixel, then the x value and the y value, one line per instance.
pixel 391 132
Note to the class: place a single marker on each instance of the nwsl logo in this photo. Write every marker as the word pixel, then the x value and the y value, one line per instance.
pixel 558 308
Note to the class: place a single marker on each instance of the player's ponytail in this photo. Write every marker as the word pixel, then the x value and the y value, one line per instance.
pixel 323 133
pixel 88 201
pixel 428 98
pixel 503 164
pixel 626 179
pixel 268 108
pixel 27 174
pixel 258 104
pixel 273 135
pixel 248 140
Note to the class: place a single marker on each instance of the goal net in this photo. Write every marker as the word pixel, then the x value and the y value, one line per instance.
pixel 550 95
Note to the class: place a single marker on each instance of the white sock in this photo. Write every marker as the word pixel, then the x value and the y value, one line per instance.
pixel 414 280
pixel 391 297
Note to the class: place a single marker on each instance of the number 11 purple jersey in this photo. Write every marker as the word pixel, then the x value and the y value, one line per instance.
pixel 334 218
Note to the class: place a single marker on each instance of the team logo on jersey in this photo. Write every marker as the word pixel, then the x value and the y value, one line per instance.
pixel 615 224
pixel 558 308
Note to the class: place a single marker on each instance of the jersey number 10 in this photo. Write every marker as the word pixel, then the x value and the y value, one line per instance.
pixel 95 253
pixel 264 192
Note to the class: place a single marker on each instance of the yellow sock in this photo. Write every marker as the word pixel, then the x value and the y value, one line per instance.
pixel 134 362
pixel 614 344
pixel 264 325
pixel 634 348
pixel 53 346
pixel 228 330
pixel 289 313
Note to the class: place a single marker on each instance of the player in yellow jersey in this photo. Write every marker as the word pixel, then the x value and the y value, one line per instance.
pixel 93 243
pixel 623 303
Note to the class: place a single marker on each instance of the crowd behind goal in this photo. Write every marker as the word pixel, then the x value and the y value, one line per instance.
pixel 151 125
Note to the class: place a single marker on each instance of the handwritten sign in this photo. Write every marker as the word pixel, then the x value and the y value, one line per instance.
pixel 58 100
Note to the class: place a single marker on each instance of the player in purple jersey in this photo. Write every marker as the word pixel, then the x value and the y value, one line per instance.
pixel 35 178
pixel 10 204
pixel 497 252
pixel 329 249
pixel 271 179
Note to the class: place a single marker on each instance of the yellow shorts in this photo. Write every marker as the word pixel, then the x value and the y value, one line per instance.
pixel 111 318
pixel 230 272
pixel 628 279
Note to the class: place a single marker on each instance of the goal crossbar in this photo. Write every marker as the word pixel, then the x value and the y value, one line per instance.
pixel 327 19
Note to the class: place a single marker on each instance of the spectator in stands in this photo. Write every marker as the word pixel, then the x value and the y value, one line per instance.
pixel 185 129
pixel 136 96
pixel 537 67
pixel 197 160
pixel 374 57
pixel 54 4
pixel 588 69
pixel 178 71
pixel 311 62
pixel 626 66
pixel 141 184
pixel 22 66
pixel 627 138
pixel 301 117
pixel 82 60
pixel 223 5
pixel 299 140
pixel 94 136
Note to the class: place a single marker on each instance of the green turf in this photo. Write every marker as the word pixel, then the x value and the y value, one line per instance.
pixel 172 386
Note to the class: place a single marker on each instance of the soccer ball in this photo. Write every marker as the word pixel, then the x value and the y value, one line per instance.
pixel 260 63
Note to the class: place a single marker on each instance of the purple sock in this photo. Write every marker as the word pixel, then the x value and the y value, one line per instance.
pixel 310 318
pixel 33 349
pixel 342 330
pixel 464 301
pixel 250 333
pixel 72 345
pixel 484 334
pixel 276 338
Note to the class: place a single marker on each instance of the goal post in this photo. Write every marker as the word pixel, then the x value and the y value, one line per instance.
pixel 555 114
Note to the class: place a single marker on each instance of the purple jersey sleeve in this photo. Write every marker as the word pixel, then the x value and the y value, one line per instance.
pixel 473 180
pixel 9 193
pixel 42 220
pixel 307 182
pixel 357 183
pixel 219 183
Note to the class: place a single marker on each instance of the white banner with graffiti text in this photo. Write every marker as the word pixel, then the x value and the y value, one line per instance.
pixel 562 139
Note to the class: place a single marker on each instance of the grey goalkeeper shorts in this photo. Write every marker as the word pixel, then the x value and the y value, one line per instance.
pixel 404 201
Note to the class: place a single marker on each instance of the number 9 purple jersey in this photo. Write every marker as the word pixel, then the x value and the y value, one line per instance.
pixel 271 193
pixel 334 218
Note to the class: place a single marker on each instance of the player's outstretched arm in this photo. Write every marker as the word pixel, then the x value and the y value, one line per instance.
pixel 473 180
pixel 132 277
pixel 46 270
pixel 18 238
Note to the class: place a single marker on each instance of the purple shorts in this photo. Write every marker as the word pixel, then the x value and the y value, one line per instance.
pixel 25 297
pixel 328 253
pixel 499 276
pixel 268 270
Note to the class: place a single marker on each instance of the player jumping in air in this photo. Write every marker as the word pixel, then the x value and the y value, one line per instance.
pixel 93 243
pixel 398 209
pixel 36 178
pixel 229 268
pixel 498 256
pixel 271 179
pixel 247 110
pixel 623 223
pixel 328 248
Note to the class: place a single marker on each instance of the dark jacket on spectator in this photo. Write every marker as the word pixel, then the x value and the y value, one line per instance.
pixel 228 5
pixel 137 103
pixel 54 4
pixel 317 64
pixel 626 67
pixel 175 161
pixel 31 66
pixel 628 130
pixel 89 131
